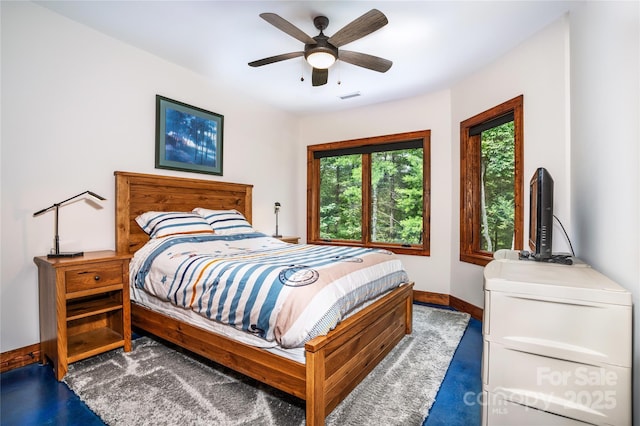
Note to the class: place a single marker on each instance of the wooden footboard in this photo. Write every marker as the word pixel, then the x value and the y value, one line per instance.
pixel 335 363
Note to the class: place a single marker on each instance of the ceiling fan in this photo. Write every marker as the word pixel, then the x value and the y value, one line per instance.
pixel 321 51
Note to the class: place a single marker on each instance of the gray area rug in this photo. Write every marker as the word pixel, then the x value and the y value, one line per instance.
pixel 156 384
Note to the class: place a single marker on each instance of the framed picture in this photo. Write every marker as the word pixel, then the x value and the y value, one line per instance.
pixel 188 138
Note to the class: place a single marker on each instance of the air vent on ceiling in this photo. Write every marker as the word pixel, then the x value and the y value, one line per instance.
pixel 350 95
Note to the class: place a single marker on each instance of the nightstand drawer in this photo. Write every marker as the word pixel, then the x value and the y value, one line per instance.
pixel 94 276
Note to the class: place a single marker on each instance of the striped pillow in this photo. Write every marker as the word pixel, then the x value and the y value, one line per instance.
pixel 226 222
pixel 164 224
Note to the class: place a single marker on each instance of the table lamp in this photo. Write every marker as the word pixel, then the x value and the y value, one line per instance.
pixel 277 209
pixel 56 206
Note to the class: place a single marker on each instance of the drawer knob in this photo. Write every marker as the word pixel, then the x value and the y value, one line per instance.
pixel 97 278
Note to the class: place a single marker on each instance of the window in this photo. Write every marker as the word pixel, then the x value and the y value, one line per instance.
pixel 491 182
pixel 371 192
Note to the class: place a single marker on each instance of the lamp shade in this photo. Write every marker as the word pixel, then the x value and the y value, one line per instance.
pixel 276 210
pixel 56 206
pixel 321 59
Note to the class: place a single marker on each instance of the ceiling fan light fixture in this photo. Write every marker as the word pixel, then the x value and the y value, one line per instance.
pixel 321 59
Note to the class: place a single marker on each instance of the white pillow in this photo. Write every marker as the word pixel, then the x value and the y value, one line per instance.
pixel 225 222
pixel 164 224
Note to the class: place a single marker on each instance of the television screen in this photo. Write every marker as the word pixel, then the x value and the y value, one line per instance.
pixel 541 214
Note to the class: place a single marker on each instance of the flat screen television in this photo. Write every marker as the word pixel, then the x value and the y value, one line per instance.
pixel 541 215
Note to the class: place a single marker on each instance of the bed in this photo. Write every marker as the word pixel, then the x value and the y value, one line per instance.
pixel 334 363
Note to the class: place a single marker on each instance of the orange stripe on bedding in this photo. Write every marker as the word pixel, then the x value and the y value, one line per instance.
pixel 197 280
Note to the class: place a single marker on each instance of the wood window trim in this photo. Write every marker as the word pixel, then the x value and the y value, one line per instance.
pixel 313 193
pixel 470 177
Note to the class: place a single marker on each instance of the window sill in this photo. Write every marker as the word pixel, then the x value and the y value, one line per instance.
pixel 481 259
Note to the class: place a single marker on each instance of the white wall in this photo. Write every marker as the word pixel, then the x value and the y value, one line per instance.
pixel 605 159
pixel 538 70
pixel 424 112
pixel 76 106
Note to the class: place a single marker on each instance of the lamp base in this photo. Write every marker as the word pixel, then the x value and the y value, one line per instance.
pixel 276 236
pixel 65 254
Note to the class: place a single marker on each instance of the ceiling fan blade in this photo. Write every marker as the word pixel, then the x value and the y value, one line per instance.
pixel 366 24
pixel 277 58
pixel 319 77
pixel 286 26
pixel 365 61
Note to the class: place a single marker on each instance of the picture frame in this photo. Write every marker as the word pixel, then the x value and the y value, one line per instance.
pixel 188 138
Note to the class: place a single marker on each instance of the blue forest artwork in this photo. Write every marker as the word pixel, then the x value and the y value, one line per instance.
pixel 190 139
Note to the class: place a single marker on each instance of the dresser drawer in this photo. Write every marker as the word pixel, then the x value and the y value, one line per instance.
pixel 590 393
pixel 496 411
pixel 94 276
pixel 587 332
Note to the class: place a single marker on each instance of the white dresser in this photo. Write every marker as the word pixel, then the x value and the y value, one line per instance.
pixel 557 346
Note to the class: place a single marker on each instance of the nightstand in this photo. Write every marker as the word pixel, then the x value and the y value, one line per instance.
pixel 289 239
pixel 84 307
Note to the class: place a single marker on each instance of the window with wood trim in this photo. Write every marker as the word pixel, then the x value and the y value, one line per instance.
pixel 491 182
pixel 372 192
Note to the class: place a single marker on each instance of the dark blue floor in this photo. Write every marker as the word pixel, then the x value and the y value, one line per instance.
pixel 31 396
pixel 459 398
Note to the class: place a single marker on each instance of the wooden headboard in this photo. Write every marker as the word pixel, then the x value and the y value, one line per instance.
pixel 137 193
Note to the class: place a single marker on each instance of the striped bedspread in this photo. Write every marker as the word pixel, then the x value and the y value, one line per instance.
pixel 289 293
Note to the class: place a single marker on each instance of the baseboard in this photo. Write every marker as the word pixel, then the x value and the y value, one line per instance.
pixel 30 354
pixel 461 305
pixel 429 297
pixel 19 357
pixel 448 300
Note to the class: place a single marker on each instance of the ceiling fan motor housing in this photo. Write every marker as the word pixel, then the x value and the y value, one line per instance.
pixel 321 45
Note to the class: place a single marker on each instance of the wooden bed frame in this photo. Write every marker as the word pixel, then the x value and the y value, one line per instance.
pixel 335 363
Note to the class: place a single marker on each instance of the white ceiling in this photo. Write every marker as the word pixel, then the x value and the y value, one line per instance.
pixel 431 43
